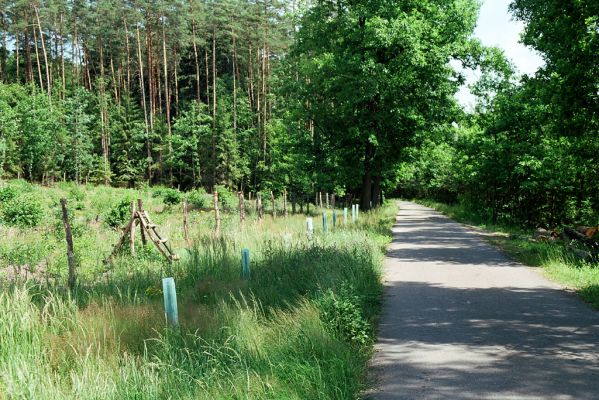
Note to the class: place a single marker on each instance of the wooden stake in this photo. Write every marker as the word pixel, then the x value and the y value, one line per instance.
pixel 241 209
pixel 185 223
pixel 259 206
pixel 140 208
pixel 216 215
pixel 69 237
pixel 132 230
pixel 327 199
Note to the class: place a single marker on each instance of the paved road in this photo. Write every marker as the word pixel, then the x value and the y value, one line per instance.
pixel 462 321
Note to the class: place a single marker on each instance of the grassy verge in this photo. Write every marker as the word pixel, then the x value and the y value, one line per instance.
pixel 557 263
pixel 301 328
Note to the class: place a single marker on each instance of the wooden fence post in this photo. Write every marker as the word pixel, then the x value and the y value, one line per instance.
pixel 140 208
pixel 132 231
pixel 272 199
pixel 241 209
pixel 69 237
pixel 259 206
pixel 327 198
pixel 185 222
pixel 216 215
pixel 333 201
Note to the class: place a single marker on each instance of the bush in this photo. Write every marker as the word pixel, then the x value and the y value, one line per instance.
pixel 8 193
pixel 198 198
pixel 171 197
pixel 227 198
pixel 118 214
pixel 23 211
pixel 342 314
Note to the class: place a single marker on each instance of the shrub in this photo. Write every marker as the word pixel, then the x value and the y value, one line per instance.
pixel 342 314
pixel 227 198
pixel 198 198
pixel 118 213
pixel 8 193
pixel 171 197
pixel 22 211
pixel 77 193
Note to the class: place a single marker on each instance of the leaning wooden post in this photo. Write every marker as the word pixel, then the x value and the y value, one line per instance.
pixel 272 199
pixel 259 206
pixel 185 222
pixel 69 237
pixel 241 209
pixel 170 301
pixel 285 202
pixel 216 215
pixel 140 209
pixel 132 230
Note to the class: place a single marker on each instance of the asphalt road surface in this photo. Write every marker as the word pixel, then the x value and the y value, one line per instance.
pixel 463 321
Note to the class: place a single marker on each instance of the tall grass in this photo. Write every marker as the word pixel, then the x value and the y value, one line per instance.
pixel 300 328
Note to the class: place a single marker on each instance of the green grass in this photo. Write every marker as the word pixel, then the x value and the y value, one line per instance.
pixel 557 263
pixel 301 328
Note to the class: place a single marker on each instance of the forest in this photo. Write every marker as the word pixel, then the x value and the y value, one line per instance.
pixel 352 98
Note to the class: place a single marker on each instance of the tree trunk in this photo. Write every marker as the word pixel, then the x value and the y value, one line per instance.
pixel 214 104
pixel 37 60
pixel 69 239
pixel 63 76
pixel 128 57
pixel 196 58
pixel 48 81
pixel 367 177
pixel 28 63
pixel 234 86
pixel 167 101
pixel 143 97
pixel 376 191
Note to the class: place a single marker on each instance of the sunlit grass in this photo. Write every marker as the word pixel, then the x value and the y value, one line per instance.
pixel 276 336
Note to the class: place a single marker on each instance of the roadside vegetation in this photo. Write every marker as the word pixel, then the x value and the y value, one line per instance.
pixel 301 327
pixel 558 262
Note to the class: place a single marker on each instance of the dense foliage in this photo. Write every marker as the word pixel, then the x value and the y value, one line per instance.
pixel 346 97
pixel 528 154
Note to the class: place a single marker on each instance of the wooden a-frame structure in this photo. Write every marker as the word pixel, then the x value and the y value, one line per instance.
pixel 140 217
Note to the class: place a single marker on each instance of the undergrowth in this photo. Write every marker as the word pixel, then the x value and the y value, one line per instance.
pixel 301 328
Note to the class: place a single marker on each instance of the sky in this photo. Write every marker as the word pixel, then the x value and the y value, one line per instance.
pixel 497 28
